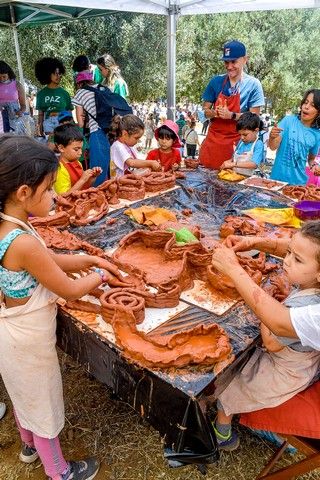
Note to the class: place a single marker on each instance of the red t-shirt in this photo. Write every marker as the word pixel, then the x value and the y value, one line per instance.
pixel 166 159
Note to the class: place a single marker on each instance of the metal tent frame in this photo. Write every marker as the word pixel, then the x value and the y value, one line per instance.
pixel 17 13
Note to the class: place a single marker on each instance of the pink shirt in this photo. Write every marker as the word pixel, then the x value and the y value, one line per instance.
pixel 8 92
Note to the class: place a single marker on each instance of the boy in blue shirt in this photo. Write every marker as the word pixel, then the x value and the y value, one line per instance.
pixel 249 152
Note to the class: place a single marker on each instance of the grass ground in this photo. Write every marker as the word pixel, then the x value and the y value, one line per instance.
pixel 127 446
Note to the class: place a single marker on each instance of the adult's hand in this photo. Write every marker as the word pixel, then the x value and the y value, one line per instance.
pixel 224 113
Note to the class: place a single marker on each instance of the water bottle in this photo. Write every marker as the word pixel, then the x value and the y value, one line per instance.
pixel 26 123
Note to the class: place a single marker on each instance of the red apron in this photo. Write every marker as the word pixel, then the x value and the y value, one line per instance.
pixel 222 134
pixel 75 171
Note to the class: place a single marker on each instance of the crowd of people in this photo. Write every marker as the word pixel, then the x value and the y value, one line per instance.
pixel 90 136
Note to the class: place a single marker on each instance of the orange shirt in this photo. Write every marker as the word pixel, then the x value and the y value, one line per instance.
pixel 166 159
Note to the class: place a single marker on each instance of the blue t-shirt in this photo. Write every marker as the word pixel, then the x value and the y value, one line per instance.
pixel 258 151
pixel 297 143
pixel 251 93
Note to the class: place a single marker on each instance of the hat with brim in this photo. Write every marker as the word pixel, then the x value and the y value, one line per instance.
pixel 64 115
pixel 84 76
pixel 174 128
pixel 233 50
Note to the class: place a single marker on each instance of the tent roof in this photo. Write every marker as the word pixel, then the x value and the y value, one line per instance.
pixel 33 12
pixel 21 13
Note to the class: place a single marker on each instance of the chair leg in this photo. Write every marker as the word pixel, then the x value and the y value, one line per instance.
pixel 278 453
pixel 292 471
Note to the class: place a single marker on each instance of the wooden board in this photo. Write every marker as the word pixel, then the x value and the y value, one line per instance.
pixel 201 296
pixel 276 188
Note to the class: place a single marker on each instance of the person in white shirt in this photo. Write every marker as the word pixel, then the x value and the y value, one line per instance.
pixel 124 157
pixel 295 322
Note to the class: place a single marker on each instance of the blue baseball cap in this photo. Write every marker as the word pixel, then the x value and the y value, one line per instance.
pixel 64 115
pixel 233 50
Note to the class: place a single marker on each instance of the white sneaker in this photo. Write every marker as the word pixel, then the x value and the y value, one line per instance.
pixel 3 409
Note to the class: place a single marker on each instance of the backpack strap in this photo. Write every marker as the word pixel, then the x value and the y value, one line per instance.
pixel 90 89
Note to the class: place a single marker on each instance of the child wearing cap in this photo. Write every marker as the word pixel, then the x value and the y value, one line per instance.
pixel 168 153
pixel 71 176
pixel 225 99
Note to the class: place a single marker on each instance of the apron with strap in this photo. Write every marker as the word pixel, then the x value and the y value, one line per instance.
pixel 239 158
pixel 75 171
pixel 222 134
pixel 28 362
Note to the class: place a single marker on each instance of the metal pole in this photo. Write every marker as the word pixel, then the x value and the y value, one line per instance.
pixel 173 12
pixel 16 44
pixel 17 47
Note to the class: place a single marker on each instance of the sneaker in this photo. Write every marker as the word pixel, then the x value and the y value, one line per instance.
pixel 28 454
pixel 231 443
pixel 273 438
pixel 83 470
pixel 228 442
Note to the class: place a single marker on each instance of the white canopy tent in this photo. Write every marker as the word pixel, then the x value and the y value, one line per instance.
pixel 74 9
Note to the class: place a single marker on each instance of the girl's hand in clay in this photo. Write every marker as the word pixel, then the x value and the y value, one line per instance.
pixel 239 244
pixel 106 265
pixel 95 171
pixel 224 259
pixel 155 165
pixel 227 164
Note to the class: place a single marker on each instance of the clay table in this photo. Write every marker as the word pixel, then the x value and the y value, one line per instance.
pixel 170 400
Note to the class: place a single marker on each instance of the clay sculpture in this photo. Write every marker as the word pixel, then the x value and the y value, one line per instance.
pixel 246 226
pixel 202 346
pixel 83 206
pixel 300 192
pixel 191 163
pixel 158 181
pixel 131 187
pixel 110 189
pixel 64 240
pixel 59 219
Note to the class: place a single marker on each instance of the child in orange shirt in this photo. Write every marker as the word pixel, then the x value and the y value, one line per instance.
pixel 168 153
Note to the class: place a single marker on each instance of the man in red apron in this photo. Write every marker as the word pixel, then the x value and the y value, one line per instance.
pixel 225 99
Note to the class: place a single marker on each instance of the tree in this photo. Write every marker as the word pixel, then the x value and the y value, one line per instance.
pixel 282 47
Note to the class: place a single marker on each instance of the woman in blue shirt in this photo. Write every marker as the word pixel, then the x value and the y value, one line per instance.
pixel 297 141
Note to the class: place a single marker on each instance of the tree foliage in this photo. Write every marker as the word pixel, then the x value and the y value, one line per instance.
pixel 282 47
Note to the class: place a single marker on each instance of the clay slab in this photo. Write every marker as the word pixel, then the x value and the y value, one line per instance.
pixel 201 296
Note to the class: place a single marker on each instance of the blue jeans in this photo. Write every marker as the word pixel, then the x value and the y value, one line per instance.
pixel 100 154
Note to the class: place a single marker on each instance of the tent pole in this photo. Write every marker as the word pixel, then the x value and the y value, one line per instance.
pixel 16 44
pixel 18 55
pixel 173 12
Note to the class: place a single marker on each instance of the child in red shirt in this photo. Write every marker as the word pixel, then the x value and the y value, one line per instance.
pixel 168 153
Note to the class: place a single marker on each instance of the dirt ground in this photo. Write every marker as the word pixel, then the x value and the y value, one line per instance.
pixel 127 446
